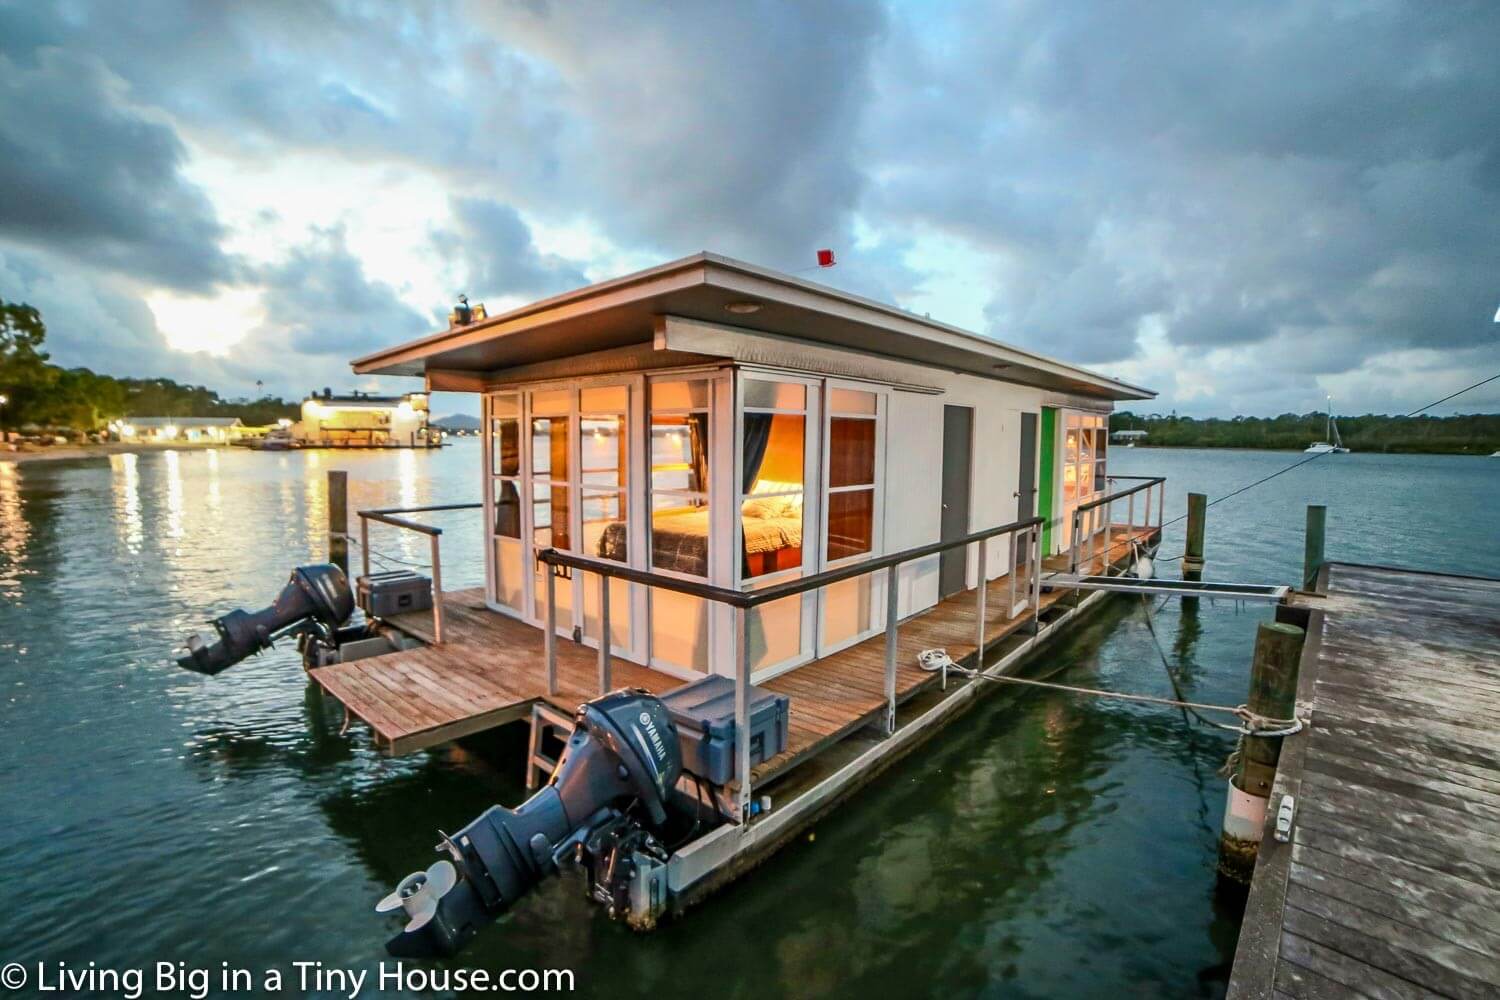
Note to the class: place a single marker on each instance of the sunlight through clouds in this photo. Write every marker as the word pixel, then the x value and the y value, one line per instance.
pixel 209 323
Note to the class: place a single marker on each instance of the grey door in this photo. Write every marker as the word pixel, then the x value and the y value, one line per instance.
pixel 958 430
pixel 1026 490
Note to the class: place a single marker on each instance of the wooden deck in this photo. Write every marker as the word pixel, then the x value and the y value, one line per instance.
pixel 490 670
pixel 1390 886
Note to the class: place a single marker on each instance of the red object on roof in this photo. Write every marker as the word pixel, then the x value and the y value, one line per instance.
pixel 825 258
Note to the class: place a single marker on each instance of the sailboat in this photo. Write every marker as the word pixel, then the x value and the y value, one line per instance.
pixel 1331 443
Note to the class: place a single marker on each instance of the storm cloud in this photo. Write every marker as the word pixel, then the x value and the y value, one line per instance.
pixel 1174 193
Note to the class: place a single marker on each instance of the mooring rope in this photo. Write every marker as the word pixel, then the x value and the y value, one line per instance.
pixel 1251 723
pixel 383 558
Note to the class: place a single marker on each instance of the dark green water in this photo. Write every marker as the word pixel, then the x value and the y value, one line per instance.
pixel 1042 846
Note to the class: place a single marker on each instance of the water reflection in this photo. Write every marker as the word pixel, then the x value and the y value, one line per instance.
pixel 172 463
pixel 125 484
pixel 14 531
pixel 212 491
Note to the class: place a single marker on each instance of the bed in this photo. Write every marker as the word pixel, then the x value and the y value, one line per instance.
pixel 679 537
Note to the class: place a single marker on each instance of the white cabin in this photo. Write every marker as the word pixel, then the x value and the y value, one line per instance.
pixel 727 424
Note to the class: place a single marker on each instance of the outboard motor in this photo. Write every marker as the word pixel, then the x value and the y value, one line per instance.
pixel 603 808
pixel 316 600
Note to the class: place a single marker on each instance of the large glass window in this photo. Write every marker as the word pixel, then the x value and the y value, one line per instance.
pixel 1083 470
pixel 603 455
pixel 853 433
pixel 505 438
pixel 505 468
pixel 551 505
pixel 679 477
pixel 851 473
pixel 680 452
pixel 772 488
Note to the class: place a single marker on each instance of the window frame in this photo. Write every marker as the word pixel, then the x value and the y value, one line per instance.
pixel 493 477
pixel 878 582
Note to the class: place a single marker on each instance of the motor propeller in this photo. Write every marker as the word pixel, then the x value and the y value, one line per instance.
pixel 418 894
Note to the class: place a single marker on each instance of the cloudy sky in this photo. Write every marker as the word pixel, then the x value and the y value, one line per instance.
pixel 1246 206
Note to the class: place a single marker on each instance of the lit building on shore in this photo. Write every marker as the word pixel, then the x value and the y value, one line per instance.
pixel 187 429
pixel 361 420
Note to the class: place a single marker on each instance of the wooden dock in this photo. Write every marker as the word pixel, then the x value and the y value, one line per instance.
pixel 489 670
pixel 1390 884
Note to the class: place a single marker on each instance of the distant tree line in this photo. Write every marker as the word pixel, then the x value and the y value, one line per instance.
pixel 49 396
pixel 1470 433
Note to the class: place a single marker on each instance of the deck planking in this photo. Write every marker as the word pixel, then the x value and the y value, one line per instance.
pixel 490 669
pixel 1390 885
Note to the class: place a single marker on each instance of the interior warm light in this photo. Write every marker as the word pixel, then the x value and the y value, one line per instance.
pixel 284 422
pixel 404 409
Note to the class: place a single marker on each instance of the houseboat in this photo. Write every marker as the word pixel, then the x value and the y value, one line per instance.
pixel 762 490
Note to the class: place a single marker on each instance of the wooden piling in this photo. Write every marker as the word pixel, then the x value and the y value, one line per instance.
pixel 338 519
pixel 1312 551
pixel 1273 695
pixel 1192 555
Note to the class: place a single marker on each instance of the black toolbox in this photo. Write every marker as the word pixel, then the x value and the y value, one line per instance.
pixel 397 592
pixel 703 712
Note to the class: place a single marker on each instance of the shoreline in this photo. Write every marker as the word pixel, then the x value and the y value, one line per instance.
pixel 62 452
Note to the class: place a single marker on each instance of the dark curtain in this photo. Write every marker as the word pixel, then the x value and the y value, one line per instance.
pixel 507 510
pixel 698 440
pixel 757 436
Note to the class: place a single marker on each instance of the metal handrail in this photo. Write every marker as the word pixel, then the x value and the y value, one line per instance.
pixel 742 602
pixel 1144 484
pixel 776 592
pixel 389 515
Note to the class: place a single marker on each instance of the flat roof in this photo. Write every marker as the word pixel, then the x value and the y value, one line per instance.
pixel 622 312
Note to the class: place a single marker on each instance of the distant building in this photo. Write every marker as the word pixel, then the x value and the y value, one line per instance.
pixel 164 429
pixel 361 420
pixel 1126 436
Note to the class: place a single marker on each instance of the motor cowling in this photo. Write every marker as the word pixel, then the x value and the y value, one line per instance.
pixel 316 597
pixel 623 753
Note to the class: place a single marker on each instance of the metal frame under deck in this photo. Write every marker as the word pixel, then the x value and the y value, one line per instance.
pixel 1178 588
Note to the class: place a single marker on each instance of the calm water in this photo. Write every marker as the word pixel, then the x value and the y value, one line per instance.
pixel 1042 846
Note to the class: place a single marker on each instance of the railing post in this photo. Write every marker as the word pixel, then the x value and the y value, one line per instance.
pixel 437 590
pixel 1073 544
pixel 742 710
pixel 891 604
pixel 1161 504
pixel 1015 569
pixel 1147 519
pixel 1109 514
pixel 1036 579
pixel 364 544
pixel 1130 511
pixel 604 681
pixel 549 636
pixel 981 597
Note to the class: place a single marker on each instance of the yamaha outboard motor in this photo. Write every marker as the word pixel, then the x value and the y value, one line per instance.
pixel 600 809
pixel 317 599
